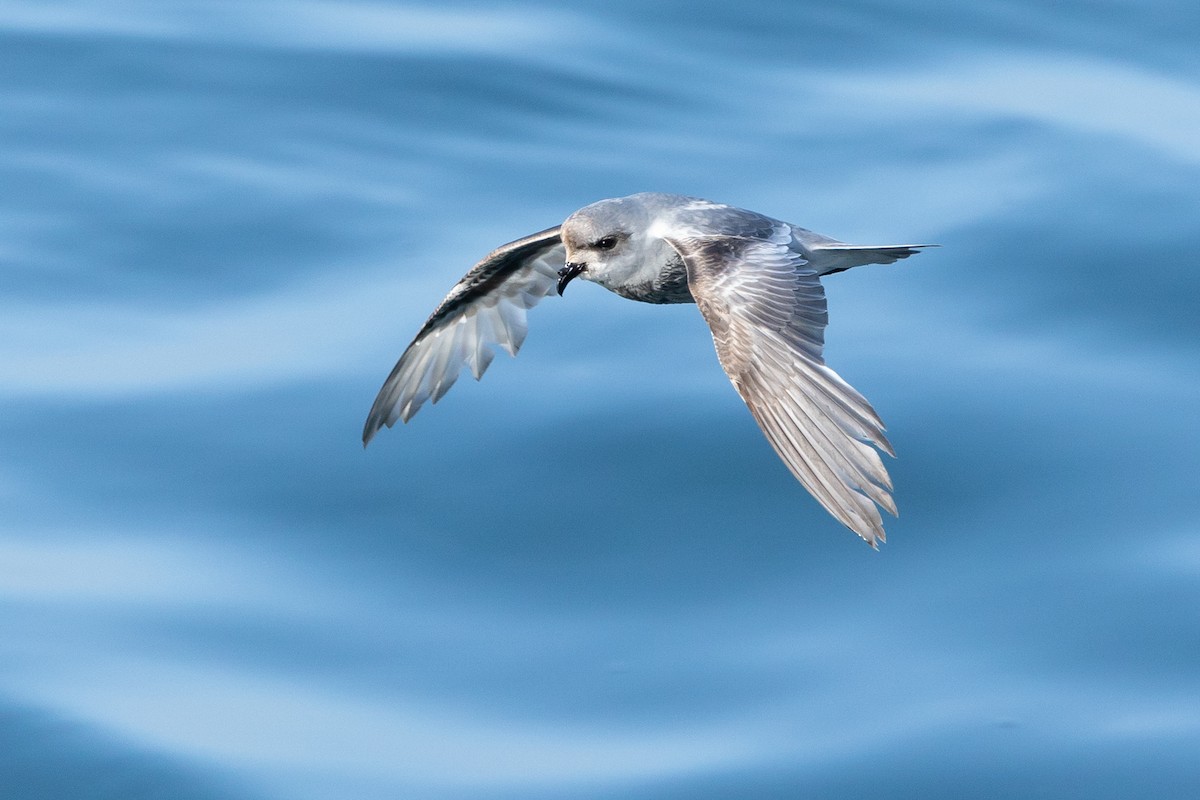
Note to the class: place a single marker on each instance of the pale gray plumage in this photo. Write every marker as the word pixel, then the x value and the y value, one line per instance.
pixel 755 280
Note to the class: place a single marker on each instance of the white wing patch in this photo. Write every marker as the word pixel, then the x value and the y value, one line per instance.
pixel 484 309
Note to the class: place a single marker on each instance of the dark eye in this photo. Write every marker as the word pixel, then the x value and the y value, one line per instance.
pixel 607 243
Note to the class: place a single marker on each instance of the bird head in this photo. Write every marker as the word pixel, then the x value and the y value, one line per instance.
pixel 603 243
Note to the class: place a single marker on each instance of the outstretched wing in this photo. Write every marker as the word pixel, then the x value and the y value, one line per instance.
pixel 486 308
pixel 766 309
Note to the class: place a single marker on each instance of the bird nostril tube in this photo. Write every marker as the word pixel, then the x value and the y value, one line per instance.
pixel 568 273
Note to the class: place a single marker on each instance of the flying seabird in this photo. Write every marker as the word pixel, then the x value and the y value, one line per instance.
pixel 756 282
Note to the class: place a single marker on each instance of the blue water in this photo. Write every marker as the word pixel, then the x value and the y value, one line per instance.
pixel 589 576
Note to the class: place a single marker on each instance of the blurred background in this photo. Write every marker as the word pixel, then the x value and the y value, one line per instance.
pixel 220 224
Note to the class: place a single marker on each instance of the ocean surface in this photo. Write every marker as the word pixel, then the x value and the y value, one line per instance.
pixel 589 576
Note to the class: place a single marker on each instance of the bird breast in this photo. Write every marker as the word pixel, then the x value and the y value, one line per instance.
pixel 668 285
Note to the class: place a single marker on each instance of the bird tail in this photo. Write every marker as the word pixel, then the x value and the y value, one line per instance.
pixel 833 257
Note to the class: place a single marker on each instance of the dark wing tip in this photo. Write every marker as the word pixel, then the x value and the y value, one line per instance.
pixel 373 425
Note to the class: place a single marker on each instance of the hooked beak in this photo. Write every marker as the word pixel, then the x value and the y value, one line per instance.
pixel 568 274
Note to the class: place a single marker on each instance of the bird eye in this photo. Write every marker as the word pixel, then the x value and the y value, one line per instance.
pixel 607 243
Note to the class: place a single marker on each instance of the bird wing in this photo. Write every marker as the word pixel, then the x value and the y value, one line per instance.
pixel 486 308
pixel 767 313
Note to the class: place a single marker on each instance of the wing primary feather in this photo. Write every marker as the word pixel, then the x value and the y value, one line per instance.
pixel 852 509
pixel 856 463
pixel 872 472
